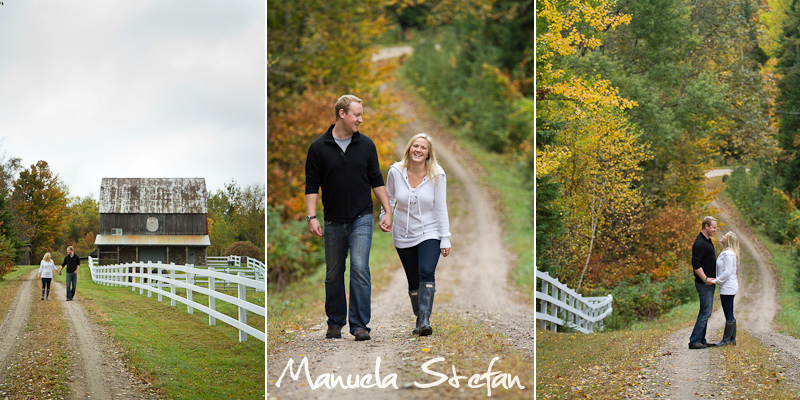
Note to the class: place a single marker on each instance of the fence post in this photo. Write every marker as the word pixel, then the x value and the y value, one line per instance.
pixel 189 283
pixel 160 281
pixel 212 301
pixel 242 310
pixel 172 285
pixel 149 280
pixel 543 306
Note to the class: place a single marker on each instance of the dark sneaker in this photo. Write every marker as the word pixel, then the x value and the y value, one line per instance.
pixel 695 346
pixel 361 334
pixel 334 332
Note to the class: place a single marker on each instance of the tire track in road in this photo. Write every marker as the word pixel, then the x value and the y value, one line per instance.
pixel 15 321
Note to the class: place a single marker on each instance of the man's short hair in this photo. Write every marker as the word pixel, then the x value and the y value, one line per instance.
pixel 344 104
pixel 707 221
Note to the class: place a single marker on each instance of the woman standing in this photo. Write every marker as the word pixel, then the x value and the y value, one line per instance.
pixel 727 263
pixel 46 269
pixel 417 188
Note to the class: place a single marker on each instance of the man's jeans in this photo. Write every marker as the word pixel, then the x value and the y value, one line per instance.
pixel 340 237
pixel 72 284
pixel 706 294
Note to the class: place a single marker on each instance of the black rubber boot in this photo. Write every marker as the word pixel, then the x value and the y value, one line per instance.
pixel 414 296
pixel 728 337
pixel 42 294
pixel 426 291
pixel 47 297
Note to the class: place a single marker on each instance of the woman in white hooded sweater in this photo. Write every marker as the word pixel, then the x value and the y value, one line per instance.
pixel 417 188
pixel 46 269
pixel 727 263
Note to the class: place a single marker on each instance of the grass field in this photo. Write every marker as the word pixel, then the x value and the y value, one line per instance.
pixel 179 353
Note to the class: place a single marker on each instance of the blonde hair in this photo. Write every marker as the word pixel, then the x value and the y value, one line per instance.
pixel 344 104
pixel 732 243
pixel 432 166
pixel 46 257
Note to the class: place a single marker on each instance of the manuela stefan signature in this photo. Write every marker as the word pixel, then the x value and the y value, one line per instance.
pixel 490 379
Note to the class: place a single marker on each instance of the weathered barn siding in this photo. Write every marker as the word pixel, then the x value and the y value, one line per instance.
pixel 167 224
pixel 153 195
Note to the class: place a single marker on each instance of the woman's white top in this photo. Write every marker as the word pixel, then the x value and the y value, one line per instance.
pixel 420 213
pixel 726 273
pixel 46 268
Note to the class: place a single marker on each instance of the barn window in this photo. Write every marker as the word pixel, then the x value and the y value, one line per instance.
pixel 116 231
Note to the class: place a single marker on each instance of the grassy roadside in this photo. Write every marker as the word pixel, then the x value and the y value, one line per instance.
pixel 178 353
pixel 9 286
pixel 40 366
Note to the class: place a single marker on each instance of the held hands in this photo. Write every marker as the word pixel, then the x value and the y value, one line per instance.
pixel 386 222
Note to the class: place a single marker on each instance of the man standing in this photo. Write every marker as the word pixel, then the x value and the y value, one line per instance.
pixel 73 263
pixel 344 163
pixel 704 264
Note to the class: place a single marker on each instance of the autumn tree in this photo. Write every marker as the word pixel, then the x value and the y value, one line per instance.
pixel 81 225
pixel 39 204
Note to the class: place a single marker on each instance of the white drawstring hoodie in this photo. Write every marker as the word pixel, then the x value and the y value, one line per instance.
pixel 419 213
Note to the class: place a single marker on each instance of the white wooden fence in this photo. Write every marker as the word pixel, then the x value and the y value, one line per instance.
pixel 164 279
pixel 233 265
pixel 559 305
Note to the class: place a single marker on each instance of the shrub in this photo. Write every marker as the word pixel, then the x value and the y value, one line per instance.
pixel 639 298
pixel 292 252
pixel 247 249
pixel 7 255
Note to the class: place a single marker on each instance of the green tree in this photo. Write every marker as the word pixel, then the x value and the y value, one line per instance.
pixel 8 232
pixel 39 203
pixel 788 102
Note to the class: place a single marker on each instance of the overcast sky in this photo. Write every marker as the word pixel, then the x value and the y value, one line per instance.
pixel 134 89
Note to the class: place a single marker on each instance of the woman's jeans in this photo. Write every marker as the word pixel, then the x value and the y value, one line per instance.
pixel 727 306
pixel 340 237
pixel 72 284
pixel 46 283
pixel 706 295
pixel 420 262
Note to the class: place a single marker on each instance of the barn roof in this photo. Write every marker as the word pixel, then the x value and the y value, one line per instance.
pixel 153 196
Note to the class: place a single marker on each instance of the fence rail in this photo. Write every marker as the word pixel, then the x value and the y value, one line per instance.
pixel 165 279
pixel 559 305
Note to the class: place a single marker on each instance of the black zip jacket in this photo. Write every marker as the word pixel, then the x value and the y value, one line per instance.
pixel 704 256
pixel 346 178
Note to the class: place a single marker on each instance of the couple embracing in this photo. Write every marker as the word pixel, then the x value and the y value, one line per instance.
pixel 710 271
pixel 343 163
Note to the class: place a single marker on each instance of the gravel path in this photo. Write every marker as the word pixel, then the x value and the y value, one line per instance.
pixel 97 370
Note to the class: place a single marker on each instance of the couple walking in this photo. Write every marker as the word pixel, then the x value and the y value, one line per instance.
pixel 47 268
pixel 710 271
pixel 343 162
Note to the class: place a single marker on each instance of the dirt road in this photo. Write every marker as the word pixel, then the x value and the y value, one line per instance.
pixel 689 374
pixel 96 368
pixel 472 282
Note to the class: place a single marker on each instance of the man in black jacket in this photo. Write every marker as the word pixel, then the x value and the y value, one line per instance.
pixel 343 162
pixel 72 262
pixel 704 264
